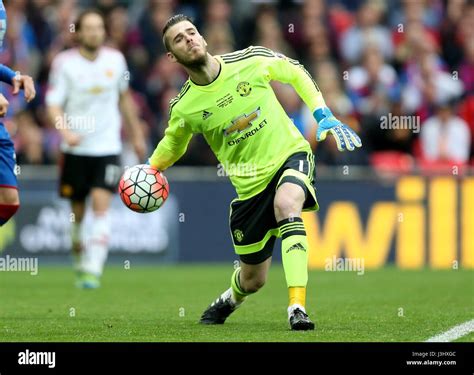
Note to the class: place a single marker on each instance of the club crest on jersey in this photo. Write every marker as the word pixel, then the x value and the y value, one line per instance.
pixel 243 88
pixel 238 234
pixel 242 122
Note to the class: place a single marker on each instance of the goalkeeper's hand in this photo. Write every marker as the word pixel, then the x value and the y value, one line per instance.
pixel 345 137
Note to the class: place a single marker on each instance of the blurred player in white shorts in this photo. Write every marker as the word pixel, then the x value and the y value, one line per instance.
pixel 88 90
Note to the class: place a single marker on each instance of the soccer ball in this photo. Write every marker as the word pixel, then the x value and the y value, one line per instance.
pixel 143 188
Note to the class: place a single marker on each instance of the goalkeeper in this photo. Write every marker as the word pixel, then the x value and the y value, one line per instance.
pixel 229 100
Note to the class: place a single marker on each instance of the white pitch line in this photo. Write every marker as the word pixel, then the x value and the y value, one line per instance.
pixel 454 333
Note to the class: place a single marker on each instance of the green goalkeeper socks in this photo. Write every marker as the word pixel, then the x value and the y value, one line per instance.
pixel 294 251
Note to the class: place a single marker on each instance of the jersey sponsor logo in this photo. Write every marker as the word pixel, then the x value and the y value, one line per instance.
pixel 96 90
pixel 241 123
pixel 244 89
pixel 247 134
pixel 239 235
pixel 206 114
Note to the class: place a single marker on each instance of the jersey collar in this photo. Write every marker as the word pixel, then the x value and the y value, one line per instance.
pixel 216 83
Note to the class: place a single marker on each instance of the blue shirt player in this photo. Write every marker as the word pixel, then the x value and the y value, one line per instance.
pixel 9 199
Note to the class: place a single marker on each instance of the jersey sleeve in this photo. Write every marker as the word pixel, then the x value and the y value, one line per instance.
pixel 57 91
pixel 174 143
pixel 6 74
pixel 278 67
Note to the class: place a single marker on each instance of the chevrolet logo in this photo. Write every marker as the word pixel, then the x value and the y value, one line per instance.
pixel 241 123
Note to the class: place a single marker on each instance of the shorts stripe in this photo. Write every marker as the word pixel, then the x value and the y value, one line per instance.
pixel 294 233
pixel 254 247
pixel 292 227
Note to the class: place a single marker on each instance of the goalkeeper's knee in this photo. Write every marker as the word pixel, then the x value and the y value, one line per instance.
pixel 245 287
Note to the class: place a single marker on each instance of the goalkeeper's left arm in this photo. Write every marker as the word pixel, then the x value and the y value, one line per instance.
pixel 173 145
pixel 283 69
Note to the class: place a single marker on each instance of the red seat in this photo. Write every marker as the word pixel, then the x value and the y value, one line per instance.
pixel 392 161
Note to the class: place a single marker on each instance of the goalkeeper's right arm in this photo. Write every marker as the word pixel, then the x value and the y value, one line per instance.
pixel 173 145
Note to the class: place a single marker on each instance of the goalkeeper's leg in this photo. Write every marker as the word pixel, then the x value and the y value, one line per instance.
pixel 246 279
pixel 288 204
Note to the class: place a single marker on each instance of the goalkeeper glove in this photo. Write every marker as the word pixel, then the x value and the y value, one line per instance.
pixel 346 138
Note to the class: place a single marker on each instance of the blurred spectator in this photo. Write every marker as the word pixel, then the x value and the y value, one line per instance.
pixel 413 39
pixel 311 23
pixel 20 50
pixel 428 85
pixel 340 20
pixel 319 48
pixel 445 137
pixel 330 82
pixel 450 36
pixel 117 23
pixel 429 12
pixel 372 85
pixel 466 68
pixel 163 75
pixel 151 24
pixel 466 112
pixel 62 18
pixel 367 32
pixel 217 29
pixel 269 34
pixel 28 140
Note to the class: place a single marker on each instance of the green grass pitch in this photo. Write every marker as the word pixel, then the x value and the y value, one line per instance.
pixel 164 303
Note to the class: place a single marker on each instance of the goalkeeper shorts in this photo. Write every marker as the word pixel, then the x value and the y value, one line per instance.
pixel 253 224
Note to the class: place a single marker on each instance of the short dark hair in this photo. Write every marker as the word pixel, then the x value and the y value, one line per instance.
pixel 171 22
pixel 84 14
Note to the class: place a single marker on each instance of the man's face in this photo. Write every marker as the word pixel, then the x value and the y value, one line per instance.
pixel 92 32
pixel 187 46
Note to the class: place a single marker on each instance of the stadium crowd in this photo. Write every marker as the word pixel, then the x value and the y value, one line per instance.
pixel 401 73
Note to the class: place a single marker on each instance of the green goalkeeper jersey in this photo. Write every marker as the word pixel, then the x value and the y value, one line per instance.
pixel 240 117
